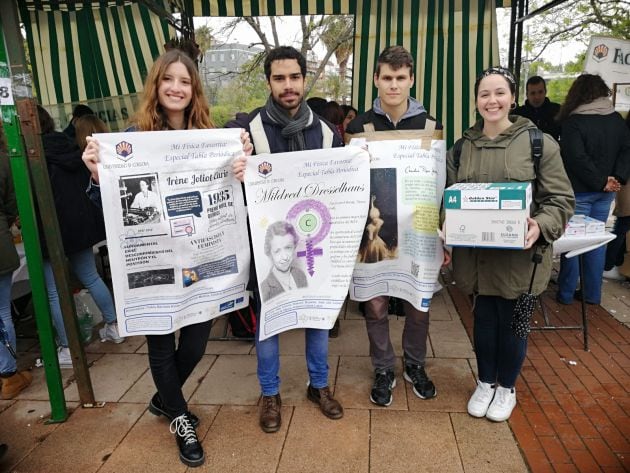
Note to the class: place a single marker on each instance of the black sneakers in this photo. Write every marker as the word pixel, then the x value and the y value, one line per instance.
pixel 384 383
pixel 156 408
pixel 190 450
pixel 423 387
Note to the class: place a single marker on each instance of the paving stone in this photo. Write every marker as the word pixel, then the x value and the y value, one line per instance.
pixel 486 446
pixel 144 388
pixel 112 376
pixel 442 307
pixel 412 441
pixel 130 345
pixel 235 443
pixel 352 340
pixel 231 380
pixel 294 378
pixel 449 340
pixel 354 383
pixel 24 428
pixel 317 444
pixel 150 447
pixel 5 404
pixel 454 384
pixel 69 449
pixel 38 390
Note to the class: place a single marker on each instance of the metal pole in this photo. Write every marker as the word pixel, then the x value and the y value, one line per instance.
pixel 519 48
pixel 512 34
pixel 21 178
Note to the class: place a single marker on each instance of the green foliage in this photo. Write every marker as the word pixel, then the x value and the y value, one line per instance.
pixel 576 66
pixel 204 37
pixel 557 89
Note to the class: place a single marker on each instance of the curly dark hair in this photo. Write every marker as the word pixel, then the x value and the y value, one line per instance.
pixel 585 89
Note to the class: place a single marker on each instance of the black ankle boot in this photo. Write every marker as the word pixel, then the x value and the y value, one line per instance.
pixel 157 409
pixel 190 450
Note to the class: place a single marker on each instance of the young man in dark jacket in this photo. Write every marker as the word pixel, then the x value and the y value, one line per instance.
pixel 394 109
pixel 286 123
pixel 539 109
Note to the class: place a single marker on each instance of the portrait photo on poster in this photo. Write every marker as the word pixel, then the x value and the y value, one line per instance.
pixel 140 199
pixel 380 238
pixel 281 242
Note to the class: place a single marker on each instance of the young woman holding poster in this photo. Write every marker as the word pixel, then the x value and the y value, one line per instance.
pixel 173 100
pixel 497 149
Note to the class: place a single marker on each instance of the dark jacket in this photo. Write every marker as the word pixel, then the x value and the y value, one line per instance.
pixel 80 221
pixel 508 158
pixel 415 118
pixel 312 133
pixel 594 147
pixel 543 117
pixel 9 260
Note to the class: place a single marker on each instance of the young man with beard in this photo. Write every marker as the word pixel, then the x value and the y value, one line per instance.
pixel 286 123
pixel 394 109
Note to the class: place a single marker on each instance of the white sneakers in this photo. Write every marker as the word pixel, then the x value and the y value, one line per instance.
pixel 64 357
pixel 614 274
pixel 496 404
pixel 481 399
pixel 109 332
pixel 502 404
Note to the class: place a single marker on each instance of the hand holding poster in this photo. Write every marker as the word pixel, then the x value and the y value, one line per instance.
pixel 401 253
pixel 176 227
pixel 307 213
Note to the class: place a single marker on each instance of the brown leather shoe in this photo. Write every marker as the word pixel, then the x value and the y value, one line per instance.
pixel 270 419
pixel 13 385
pixel 329 406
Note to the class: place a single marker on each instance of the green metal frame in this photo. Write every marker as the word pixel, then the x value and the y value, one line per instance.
pixel 21 177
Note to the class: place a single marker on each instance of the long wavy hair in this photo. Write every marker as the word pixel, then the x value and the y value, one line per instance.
pixel 585 89
pixel 151 117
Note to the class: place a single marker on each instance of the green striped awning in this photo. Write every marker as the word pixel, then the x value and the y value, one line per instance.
pixel 272 7
pixel 91 53
pixel 452 41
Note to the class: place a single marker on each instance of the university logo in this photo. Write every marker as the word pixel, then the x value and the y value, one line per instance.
pixel 124 151
pixel 600 52
pixel 264 169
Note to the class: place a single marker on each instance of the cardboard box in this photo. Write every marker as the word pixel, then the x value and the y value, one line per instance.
pixel 581 225
pixel 487 215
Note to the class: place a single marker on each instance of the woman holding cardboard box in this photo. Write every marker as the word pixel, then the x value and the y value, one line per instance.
pixel 497 149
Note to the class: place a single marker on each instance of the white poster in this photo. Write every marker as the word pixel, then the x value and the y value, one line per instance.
pixel 401 253
pixel 176 227
pixel 307 213
pixel 610 58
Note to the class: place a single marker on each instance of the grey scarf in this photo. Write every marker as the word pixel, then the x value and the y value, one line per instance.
pixel 292 127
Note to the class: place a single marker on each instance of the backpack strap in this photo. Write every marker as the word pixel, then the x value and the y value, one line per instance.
pixel 536 139
pixel 457 151
pixel 259 137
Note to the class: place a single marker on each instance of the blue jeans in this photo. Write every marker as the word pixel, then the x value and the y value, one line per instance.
pixel 83 265
pixel 597 206
pixel 268 356
pixel 7 362
pixel 500 353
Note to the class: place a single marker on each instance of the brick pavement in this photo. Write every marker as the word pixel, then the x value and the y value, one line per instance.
pixel 573 411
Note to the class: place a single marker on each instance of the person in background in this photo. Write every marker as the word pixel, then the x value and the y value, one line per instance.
pixel 78 112
pixel 13 381
pixel 287 123
pixel 81 225
pixel 317 104
pixel 616 249
pixel 333 113
pixel 173 100
pixel 538 108
pixel 498 149
pixel 87 125
pixel 595 146
pixel 349 114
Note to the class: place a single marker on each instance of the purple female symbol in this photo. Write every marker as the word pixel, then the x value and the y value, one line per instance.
pixel 311 218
